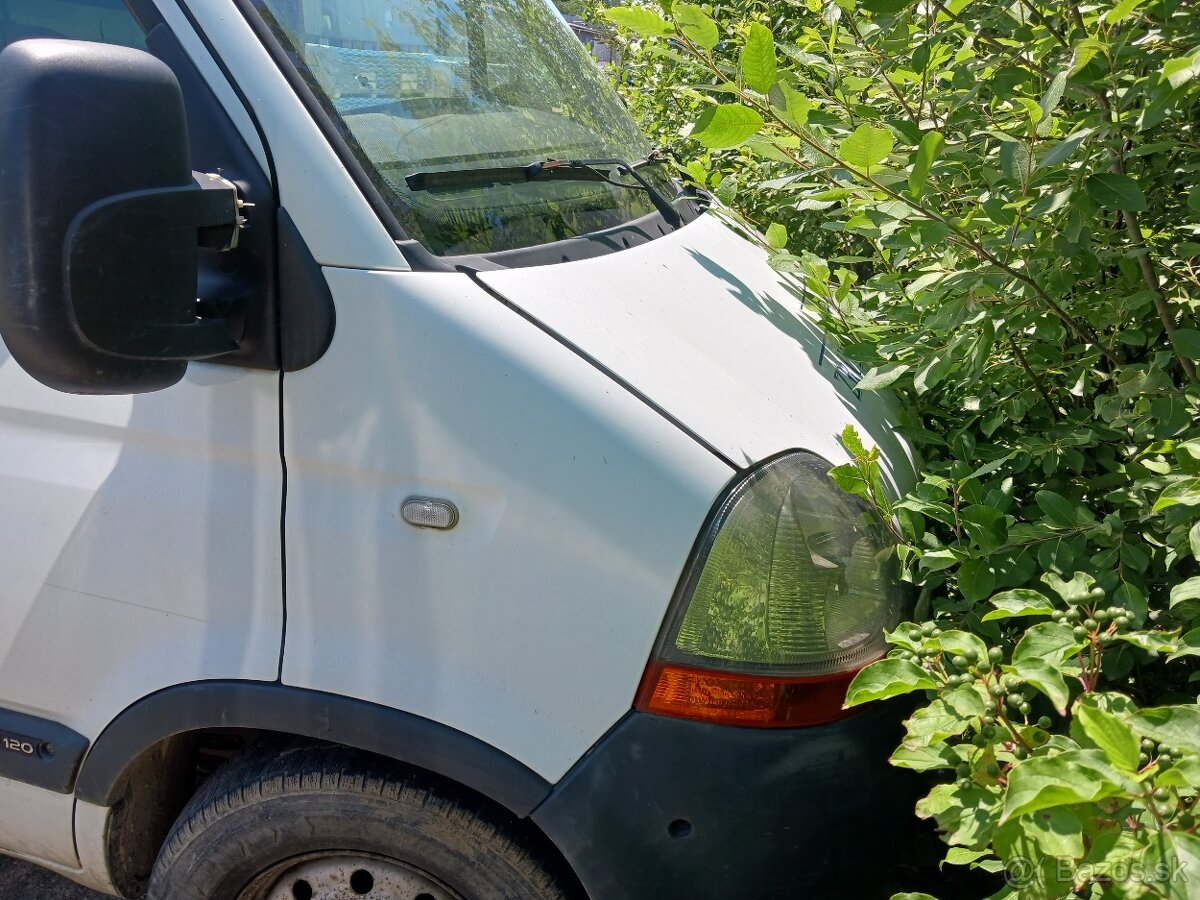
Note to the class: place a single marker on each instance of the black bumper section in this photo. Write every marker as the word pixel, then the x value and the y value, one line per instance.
pixel 664 808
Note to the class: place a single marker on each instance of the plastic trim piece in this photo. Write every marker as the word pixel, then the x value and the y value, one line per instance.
pixel 39 752
pixel 342 720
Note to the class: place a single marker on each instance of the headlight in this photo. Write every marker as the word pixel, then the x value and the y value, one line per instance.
pixel 790 589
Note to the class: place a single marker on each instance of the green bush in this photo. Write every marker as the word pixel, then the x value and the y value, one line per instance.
pixel 994 207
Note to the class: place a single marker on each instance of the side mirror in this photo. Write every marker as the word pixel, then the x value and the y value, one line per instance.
pixel 101 220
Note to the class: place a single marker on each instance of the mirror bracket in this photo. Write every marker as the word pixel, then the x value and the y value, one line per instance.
pixel 209 207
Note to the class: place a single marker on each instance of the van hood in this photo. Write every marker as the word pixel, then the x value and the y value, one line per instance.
pixel 700 324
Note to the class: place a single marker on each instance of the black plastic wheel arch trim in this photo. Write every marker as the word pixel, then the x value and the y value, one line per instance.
pixel 270 706
pixel 39 752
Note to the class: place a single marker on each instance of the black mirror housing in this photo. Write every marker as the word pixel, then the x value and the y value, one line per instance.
pixel 100 220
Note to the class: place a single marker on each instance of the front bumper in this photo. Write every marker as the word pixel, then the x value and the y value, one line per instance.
pixel 664 808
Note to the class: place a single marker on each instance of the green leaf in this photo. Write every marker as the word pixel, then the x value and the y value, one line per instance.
pixel 1122 11
pixel 1085 51
pixel 1050 642
pixel 1064 149
pixel 1015 161
pixel 1116 191
pixel 962 643
pixel 1185 492
pixel 1182 865
pixel 1185 590
pixel 1046 677
pixel 927 758
pixel 965 817
pixel 889 677
pixel 1078 589
pixel 1050 100
pixel 923 159
pixel 867 147
pixel 777 236
pixel 934 723
pixel 1185 773
pixel 1058 509
pixel 1017 603
pixel 1159 642
pixel 696 25
pixel 1111 735
pixel 1177 726
pixel 1044 782
pixel 1187 342
pixel 976 579
pixel 726 126
pixel 790 105
pixel 985 526
pixel 1058 832
pixel 759 64
pixel 882 377
pixel 1180 71
pixel 1189 645
pixel 639 20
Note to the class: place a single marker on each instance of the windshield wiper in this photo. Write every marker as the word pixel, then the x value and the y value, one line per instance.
pixel 551 170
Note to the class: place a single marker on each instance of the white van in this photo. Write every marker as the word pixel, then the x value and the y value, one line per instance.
pixel 470 536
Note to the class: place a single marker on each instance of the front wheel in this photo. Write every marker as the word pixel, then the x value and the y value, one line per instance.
pixel 325 823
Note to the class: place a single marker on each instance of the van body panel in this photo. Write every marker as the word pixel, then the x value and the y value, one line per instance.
pixel 139 547
pixel 529 624
pixel 701 324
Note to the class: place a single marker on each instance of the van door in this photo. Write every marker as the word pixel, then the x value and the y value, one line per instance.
pixel 139 535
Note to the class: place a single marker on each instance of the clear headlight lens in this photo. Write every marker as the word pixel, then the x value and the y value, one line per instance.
pixel 797 578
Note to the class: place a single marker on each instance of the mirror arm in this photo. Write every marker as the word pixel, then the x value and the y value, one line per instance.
pixel 210 207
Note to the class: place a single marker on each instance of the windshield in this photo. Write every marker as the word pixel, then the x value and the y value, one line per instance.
pixel 453 84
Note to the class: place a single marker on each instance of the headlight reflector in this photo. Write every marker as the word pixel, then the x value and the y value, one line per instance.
pixel 793 582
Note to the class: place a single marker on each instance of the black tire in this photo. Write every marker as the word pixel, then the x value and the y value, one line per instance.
pixel 259 812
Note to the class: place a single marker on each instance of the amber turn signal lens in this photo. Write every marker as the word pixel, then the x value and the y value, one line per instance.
pixel 756 701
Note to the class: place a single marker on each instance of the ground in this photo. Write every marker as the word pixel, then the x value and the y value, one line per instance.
pixel 19 881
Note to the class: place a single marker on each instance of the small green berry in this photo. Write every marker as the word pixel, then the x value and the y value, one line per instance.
pixel 996 690
pixel 1122 621
pixel 979 740
pixel 1021 753
pixel 1101 615
pixel 993 770
pixel 937 632
pixel 964 784
pixel 1058 615
pixel 995 654
pixel 1143 758
pixel 1091 624
pixel 1073 615
pixel 927 629
pixel 963 771
pixel 1162 794
pixel 960 662
pixel 1079 631
pixel 1148 745
pixel 1044 723
pixel 1024 709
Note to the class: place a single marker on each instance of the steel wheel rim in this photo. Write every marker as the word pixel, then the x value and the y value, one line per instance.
pixel 346 875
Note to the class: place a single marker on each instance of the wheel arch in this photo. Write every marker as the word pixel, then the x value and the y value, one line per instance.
pixel 272 707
